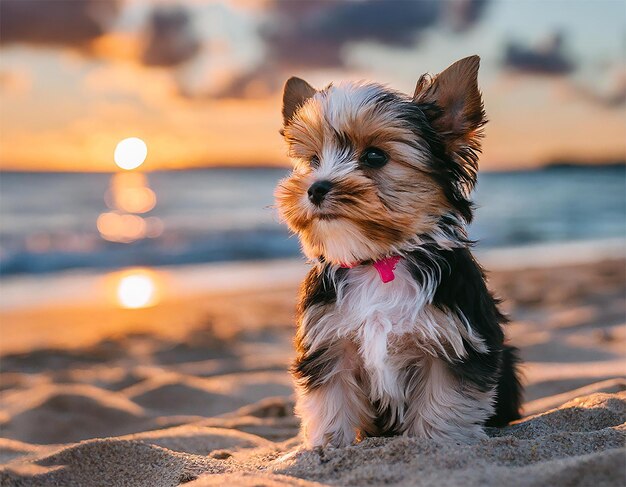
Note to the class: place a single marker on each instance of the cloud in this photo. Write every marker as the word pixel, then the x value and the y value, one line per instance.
pixel 15 82
pixel 613 95
pixel 463 14
pixel 170 38
pixel 310 34
pixel 548 58
pixel 69 23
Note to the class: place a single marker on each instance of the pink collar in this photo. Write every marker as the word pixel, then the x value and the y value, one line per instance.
pixel 385 267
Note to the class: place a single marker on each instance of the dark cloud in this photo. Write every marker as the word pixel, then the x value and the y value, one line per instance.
pixel 548 58
pixel 69 23
pixel 170 39
pixel 312 34
pixel 551 59
pixel 309 34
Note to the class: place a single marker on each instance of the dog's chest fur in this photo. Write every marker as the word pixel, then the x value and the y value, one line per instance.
pixel 386 319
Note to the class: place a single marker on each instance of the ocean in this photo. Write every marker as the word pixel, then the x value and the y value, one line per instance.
pixel 49 221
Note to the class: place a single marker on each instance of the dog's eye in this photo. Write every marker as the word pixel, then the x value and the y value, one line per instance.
pixel 374 158
pixel 314 161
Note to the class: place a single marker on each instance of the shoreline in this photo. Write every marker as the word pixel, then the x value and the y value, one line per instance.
pixel 83 288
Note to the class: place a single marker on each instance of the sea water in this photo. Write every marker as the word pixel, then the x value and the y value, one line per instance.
pixel 48 220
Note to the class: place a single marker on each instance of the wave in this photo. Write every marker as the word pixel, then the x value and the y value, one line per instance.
pixel 228 246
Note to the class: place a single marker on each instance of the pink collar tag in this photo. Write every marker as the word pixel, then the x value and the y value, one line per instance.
pixel 385 267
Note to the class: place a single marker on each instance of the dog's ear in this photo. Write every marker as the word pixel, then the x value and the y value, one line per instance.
pixel 453 104
pixel 297 91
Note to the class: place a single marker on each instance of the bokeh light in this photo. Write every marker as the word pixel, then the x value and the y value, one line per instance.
pixel 117 227
pixel 154 227
pixel 130 153
pixel 129 192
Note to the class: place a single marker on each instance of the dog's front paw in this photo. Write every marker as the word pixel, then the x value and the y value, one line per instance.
pixel 331 439
pixel 338 439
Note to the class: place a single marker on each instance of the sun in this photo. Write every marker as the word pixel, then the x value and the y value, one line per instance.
pixel 130 153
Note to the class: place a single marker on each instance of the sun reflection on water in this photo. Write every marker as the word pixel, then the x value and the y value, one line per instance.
pixel 136 288
pixel 129 192
pixel 129 197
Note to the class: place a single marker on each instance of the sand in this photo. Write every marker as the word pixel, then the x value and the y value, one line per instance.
pixel 195 391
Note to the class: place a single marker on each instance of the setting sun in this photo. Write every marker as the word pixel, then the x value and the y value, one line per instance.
pixel 136 290
pixel 130 153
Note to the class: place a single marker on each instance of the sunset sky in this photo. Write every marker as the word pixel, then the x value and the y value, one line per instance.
pixel 200 81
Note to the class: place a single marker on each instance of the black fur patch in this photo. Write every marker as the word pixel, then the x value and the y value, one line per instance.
pixel 386 422
pixel 312 369
pixel 462 290
pixel 509 390
pixel 318 288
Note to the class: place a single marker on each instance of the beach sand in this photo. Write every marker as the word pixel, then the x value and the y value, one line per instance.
pixel 195 391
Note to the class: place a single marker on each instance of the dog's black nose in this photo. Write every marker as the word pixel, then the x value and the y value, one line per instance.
pixel 318 191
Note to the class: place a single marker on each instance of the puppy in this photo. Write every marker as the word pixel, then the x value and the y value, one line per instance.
pixel 397 331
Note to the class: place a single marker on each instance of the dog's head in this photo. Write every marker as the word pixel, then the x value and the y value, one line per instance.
pixel 376 170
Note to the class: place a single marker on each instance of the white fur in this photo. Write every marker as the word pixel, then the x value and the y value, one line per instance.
pixel 370 309
pixel 374 315
pixel 327 416
pixel 335 163
pixel 334 414
pixel 447 409
pixel 343 241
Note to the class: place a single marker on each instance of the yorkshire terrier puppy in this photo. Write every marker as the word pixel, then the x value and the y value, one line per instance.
pixel 397 331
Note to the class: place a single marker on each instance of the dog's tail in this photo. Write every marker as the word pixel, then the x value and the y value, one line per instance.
pixel 508 390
